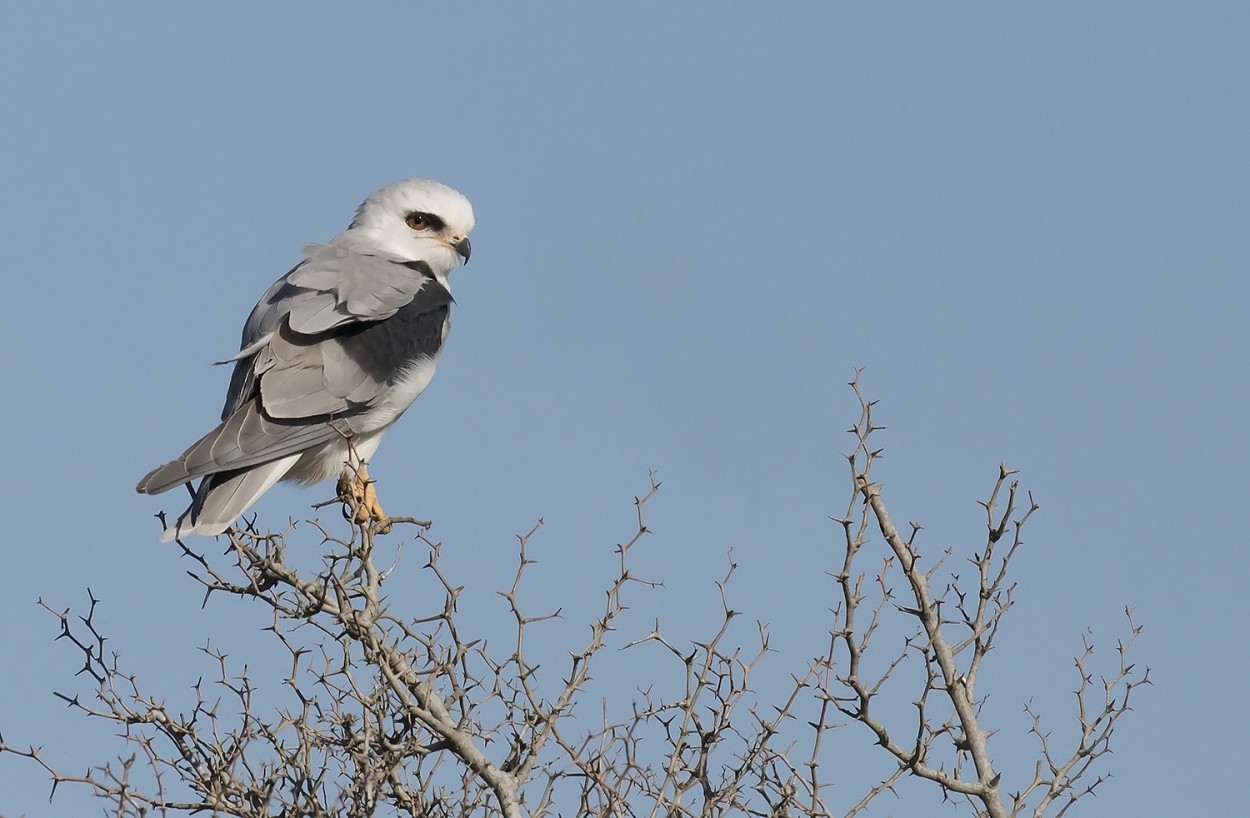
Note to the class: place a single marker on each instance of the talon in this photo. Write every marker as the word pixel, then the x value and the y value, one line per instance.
pixel 371 509
pixel 356 489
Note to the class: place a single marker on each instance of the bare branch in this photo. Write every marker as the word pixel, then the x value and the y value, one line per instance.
pixel 408 712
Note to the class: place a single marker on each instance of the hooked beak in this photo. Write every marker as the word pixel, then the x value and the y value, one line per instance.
pixel 464 249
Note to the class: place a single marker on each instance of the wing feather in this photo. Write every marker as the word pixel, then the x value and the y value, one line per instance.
pixel 350 286
pixel 334 287
pixel 246 439
pixel 349 369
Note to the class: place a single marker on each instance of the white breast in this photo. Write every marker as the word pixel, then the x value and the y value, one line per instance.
pixel 407 388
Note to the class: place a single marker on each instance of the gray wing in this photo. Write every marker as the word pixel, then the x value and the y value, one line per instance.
pixel 328 345
pixel 333 286
pixel 245 439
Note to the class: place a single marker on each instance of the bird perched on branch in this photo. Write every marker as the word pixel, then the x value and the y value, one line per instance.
pixel 331 356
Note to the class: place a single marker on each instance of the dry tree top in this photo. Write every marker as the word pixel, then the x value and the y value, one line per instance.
pixel 394 709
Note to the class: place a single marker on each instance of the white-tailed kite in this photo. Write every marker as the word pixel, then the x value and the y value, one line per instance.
pixel 332 355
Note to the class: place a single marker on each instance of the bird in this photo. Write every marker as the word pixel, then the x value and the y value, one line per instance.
pixel 332 355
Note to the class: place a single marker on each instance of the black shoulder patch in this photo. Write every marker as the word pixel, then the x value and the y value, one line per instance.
pixel 388 347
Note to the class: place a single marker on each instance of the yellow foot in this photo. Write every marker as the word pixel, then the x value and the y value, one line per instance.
pixel 356 490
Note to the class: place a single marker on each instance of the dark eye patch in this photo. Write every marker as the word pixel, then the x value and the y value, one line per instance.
pixel 419 220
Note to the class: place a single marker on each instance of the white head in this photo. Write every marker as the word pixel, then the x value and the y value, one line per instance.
pixel 416 219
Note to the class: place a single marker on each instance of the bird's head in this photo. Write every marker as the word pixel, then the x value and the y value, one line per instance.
pixel 417 219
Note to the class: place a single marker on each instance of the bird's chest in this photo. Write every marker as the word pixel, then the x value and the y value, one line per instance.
pixel 406 386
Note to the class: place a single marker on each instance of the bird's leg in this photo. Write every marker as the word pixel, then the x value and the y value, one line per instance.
pixel 355 488
pixel 373 509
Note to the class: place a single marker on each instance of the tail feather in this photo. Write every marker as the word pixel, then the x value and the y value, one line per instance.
pixel 221 498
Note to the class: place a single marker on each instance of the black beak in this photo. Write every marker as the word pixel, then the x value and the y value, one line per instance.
pixel 464 249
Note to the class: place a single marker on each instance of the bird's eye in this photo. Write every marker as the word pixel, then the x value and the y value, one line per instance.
pixel 418 220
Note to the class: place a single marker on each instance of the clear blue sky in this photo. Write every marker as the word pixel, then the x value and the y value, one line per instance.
pixel 1027 222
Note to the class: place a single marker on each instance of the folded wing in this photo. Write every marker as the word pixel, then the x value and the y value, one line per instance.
pixel 320 355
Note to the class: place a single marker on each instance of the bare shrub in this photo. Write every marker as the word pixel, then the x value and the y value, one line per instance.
pixel 400 712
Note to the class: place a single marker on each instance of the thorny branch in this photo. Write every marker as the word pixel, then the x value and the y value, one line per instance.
pixel 406 713
pixel 952 649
